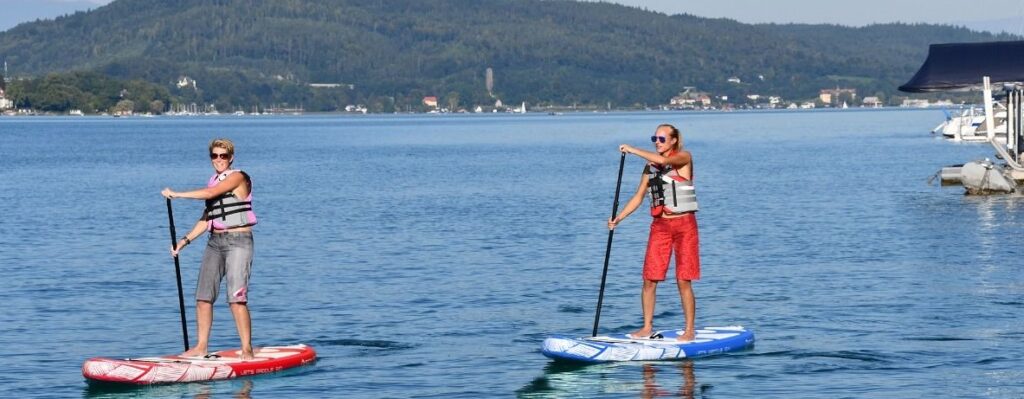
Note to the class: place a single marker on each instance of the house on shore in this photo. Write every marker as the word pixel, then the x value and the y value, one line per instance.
pixel 4 102
pixel 837 95
pixel 430 102
pixel 872 102
pixel 690 98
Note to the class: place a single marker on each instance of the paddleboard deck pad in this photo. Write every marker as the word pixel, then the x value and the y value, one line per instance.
pixel 218 366
pixel 620 347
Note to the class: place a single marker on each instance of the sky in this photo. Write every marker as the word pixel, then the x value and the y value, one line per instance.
pixel 993 15
pixel 13 12
pixel 851 13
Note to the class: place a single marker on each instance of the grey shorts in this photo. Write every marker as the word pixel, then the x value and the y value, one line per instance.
pixel 227 254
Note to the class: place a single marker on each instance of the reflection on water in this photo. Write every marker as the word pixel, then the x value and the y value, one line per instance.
pixel 238 389
pixel 993 213
pixel 652 389
pixel 243 392
pixel 656 380
pixel 558 376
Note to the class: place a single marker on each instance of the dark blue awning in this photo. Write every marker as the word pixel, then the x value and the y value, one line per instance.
pixel 956 66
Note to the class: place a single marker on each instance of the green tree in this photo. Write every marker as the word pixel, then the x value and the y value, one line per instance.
pixel 845 97
pixel 123 107
pixel 156 107
pixel 453 101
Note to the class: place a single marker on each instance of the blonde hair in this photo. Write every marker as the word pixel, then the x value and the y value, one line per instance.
pixel 223 143
pixel 673 132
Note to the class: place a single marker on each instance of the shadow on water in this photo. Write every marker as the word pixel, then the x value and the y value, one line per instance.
pixel 571 309
pixel 364 347
pixel 938 339
pixel 364 343
pixel 239 389
pixel 646 380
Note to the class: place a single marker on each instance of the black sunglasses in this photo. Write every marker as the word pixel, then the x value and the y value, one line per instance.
pixel 655 139
pixel 225 156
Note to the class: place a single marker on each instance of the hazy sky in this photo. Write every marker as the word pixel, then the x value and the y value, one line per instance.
pixel 856 13
pixel 1005 15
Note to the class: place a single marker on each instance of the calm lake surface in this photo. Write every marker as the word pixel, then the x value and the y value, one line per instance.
pixel 429 256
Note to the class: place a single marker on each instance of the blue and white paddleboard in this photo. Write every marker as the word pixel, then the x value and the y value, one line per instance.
pixel 619 347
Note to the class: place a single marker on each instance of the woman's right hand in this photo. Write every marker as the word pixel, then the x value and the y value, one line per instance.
pixel 612 223
pixel 626 149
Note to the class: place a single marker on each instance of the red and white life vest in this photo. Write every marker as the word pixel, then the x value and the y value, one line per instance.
pixel 670 192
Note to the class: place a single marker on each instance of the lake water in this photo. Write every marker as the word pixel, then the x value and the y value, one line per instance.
pixel 429 256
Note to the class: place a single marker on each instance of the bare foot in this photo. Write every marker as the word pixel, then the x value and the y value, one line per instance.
pixel 687 336
pixel 246 354
pixel 642 333
pixel 195 352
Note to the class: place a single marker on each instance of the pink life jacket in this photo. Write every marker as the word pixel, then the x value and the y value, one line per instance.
pixel 227 211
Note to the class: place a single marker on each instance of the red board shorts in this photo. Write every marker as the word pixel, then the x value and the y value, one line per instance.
pixel 668 234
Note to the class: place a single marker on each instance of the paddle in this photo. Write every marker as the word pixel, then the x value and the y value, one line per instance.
pixel 177 272
pixel 608 250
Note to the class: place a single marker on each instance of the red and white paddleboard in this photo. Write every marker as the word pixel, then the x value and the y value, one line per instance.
pixel 218 366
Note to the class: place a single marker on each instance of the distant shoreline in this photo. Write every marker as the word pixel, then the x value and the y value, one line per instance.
pixel 484 114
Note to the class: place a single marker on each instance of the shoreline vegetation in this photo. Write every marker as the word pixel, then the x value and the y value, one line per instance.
pixel 544 111
pixel 92 93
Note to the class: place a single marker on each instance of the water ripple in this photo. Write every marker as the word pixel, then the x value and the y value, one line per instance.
pixel 430 256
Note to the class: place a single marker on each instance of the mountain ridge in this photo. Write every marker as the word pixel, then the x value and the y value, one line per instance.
pixel 395 52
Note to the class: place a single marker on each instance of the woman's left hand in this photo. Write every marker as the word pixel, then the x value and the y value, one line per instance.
pixel 626 149
pixel 176 249
pixel 167 193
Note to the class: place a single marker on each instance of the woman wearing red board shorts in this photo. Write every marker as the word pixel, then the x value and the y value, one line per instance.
pixel 668 178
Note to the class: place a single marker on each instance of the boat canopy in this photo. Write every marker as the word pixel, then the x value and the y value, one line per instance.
pixel 958 66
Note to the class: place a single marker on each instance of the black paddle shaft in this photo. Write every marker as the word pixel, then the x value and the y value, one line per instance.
pixel 608 250
pixel 177 272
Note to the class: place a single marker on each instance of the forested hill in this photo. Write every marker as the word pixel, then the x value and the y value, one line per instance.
pixel 394 52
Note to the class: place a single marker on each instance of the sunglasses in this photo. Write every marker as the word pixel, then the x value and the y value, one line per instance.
pixel 657 139
pixel 224 156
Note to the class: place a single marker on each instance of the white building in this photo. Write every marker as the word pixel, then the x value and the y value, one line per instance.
pixel 360 108
pixel 690 97
pixel 872 101
pixel 4 102
pixel 915 103
pixel 186 81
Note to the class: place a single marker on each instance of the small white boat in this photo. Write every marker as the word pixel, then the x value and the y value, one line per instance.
pixel 969 125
